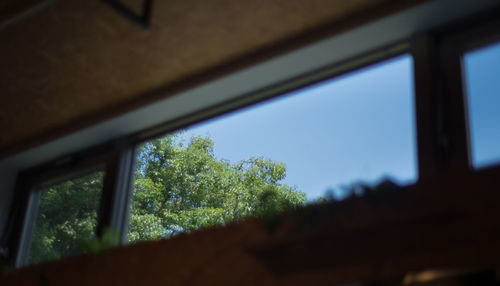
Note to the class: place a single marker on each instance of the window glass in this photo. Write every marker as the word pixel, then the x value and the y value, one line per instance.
pixel 282 153
pixel 67 218
pixel 482 70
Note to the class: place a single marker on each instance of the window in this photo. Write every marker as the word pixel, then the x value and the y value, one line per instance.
pixel 67 217
pixel 322 118
pixel 282 153
pixel 61 209
pixel 482 70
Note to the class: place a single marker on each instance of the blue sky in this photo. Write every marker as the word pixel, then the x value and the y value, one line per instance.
pixel 356 127
pixel 482 70
pixel 359 126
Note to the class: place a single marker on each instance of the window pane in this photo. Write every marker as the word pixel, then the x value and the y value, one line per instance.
pixel 66 219
pixel 482 69
pixel 279 154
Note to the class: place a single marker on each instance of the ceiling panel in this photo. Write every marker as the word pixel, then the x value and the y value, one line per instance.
pixel 74 63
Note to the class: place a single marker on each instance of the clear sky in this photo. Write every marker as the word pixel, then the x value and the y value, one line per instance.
pixel 359 126
pixel 353 128
pixel 483 87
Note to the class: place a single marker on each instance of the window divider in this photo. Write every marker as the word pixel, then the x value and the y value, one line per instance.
pixel 453 96
pixel 442 139
pixel 430 154
pixel 113 212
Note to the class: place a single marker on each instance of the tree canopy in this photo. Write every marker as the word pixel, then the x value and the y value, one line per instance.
pixel 179 186
pixel 67 216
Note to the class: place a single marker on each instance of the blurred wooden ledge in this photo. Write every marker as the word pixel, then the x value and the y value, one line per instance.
pixel 446 222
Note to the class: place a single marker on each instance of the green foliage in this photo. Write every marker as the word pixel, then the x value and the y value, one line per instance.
pixel 182 187
pixel 67 218
pixel 178 187
pixel 109 239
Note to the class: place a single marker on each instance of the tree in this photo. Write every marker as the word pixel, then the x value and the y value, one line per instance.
pixel 181 188
pixel 178 187
pixel 67 216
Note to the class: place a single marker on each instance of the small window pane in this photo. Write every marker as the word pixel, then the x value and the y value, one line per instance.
pixel 66 219
pixel 283 153
pixel 482 69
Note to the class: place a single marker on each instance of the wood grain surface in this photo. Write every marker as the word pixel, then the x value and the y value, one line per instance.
pixel 75 63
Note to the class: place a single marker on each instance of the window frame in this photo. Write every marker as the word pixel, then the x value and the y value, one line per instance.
pixel 440 118
pixel 24 207
pixel 443 136
pixel 481 31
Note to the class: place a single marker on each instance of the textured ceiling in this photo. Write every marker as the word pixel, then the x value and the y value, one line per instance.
pixel 74 63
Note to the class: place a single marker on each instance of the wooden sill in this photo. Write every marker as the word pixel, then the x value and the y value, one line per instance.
pixel 449 221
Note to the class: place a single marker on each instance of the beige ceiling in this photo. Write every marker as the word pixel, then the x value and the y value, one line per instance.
pixel 74 63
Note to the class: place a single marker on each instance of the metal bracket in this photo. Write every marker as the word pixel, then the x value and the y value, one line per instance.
pixel 142 20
